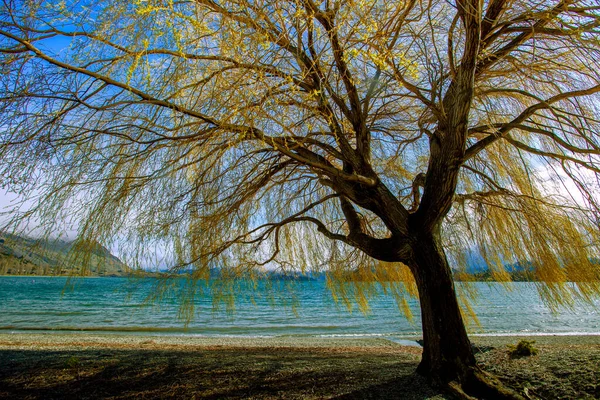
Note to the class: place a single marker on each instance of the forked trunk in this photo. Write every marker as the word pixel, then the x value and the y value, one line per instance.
pixel 447 354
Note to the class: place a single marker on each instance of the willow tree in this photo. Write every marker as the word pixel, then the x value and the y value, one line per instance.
pixel 358 135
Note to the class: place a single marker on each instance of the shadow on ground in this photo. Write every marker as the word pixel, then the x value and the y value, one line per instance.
pixel 225 373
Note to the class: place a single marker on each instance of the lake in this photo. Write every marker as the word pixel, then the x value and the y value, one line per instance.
pixel 107 305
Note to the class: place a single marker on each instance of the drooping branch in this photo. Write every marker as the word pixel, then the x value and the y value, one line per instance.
pixel 502 129
pixel 492 58
pixel 149 99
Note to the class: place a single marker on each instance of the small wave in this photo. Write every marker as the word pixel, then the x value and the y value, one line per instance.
pixel 90 329
pixel 529 333
pixel 340 335
pixel 234 331
pixel 202 335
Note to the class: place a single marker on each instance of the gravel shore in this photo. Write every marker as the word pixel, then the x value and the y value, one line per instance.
pixel 93 341
pixel 86 365
pixel 12 340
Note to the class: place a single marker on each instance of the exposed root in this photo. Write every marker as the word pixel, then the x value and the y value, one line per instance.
pixel 471 384
pixel 476 384
pixel 482 385
pixel 456 390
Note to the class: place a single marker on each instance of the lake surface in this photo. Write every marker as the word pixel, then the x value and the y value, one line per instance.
pixel 107 305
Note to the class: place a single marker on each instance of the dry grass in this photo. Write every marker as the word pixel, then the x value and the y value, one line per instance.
pixel 556 372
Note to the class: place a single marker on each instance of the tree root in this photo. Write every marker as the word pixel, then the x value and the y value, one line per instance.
pixel 457 391
pixel 479 384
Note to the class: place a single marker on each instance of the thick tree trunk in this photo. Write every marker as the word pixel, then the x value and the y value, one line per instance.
pixel 447 354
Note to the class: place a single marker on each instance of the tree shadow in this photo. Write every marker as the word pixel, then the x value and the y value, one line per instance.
pixel 225 373
pixel 406 387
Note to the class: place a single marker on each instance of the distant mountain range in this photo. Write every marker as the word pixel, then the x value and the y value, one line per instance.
pixel 27 256
pixel 477 269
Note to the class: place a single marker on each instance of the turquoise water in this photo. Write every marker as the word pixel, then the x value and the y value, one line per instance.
pixel 107 305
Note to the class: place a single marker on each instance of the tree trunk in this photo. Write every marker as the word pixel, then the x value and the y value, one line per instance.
pixel 447 351
pixel 447 354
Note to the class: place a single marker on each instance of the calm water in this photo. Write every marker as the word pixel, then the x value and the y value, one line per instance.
pixel 106 304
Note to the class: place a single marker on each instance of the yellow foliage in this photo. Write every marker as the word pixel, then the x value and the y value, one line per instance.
pixel 229 133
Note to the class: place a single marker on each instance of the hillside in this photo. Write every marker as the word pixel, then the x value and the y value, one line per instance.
pixel 27 256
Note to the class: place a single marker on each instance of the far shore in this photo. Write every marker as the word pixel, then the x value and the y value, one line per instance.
pixel 145 274
pixel 159 274
pixel 58 365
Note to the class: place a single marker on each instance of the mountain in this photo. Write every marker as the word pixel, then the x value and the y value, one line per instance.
pixel 27 256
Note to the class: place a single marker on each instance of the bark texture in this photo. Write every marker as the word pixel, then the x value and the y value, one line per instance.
pixel 447 353
pixel 448 357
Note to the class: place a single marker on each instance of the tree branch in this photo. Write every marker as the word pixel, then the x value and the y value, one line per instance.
pixel 503 129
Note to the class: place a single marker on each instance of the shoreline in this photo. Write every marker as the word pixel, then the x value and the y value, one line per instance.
pixel 83 339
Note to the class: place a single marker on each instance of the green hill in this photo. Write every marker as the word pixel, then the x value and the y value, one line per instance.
pixel 27 256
